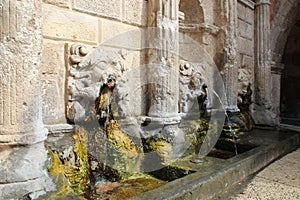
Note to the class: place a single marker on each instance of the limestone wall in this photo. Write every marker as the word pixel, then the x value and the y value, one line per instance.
pixel 94 22
pixel 87 22
pixel 245 44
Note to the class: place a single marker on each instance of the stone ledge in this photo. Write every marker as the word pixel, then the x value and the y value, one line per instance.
pixel 247 3
pixel 31 188
pixel 59 129
pixel 59 3
pixel 23 138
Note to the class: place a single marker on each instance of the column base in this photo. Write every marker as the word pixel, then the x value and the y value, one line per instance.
pixel 23 138
pixel 263 116
pixel 31 189
pixel 22 171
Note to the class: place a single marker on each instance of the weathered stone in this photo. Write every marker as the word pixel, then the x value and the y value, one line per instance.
pixel 69 25
pixel 276 83
pixel 22 132
pixel 109 29
pixel 135 12
pixel 245 30
pixel 53 78
pixel 111 9
pixel 86 78
pixel 60 3
pixel 230 52
pixel 59 129
pixel 241 10
pixel 248 3
pixel 245 46
pixel 249 16
pixel 261 110
pixel 163 59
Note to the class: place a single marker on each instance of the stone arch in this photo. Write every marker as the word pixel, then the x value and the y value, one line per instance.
pixel 283 16
pixel 285 52
pixel 193 12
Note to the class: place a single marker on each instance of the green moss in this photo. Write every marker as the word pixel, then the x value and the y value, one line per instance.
pixel 196 134
pixel 58 170
pixel 79 173
pixel 230 130
pixel 71 174
pixel 122 153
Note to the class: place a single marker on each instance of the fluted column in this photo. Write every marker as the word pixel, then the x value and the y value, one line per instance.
pixel 230 72
pixel 262 47
pixel 22 133
pixel 262 77
pixel 163 58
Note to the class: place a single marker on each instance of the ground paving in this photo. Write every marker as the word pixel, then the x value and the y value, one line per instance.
pixel 279 180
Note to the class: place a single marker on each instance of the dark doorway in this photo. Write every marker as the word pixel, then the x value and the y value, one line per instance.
pixel 290 80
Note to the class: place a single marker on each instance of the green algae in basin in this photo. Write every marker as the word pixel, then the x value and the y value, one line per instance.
pixel 71 173
pixel 130 188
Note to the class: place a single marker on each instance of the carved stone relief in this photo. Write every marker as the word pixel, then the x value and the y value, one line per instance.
pixel 86 74
pixel 192 86
pixel 244 81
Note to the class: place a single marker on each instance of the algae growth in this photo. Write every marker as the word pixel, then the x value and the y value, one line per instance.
pixel 72 173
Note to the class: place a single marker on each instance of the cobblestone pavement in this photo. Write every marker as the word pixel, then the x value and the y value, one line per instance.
pixel 280 180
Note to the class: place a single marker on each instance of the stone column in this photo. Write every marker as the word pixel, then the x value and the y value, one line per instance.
pixel 230 72
pixel 276 89
pixel 261 110
pixel 22 151
pixel 163 69
pixel 163 81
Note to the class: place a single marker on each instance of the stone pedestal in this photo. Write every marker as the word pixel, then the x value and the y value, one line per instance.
pixel 22 151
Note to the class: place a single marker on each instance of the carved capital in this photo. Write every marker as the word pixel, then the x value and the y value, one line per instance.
pixel 262 2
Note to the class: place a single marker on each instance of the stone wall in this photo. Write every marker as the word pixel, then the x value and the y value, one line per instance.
pixel 245 47
pixel 81 21
pixel 92 23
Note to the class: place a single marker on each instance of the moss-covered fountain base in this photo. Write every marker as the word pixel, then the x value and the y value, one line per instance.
pixel 227 164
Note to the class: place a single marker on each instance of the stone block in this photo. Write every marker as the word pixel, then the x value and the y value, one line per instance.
pixel 68 25
pixel 247 61
pixel 111 9
pixel 245 30
pixel 60 3
pixel 53 82
pixel 109 29
pixel 209 7
pixel 135 12
pixel 241 10
pixel 249 16
pixel 245 46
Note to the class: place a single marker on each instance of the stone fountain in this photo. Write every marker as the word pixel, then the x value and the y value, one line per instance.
pixel 140 102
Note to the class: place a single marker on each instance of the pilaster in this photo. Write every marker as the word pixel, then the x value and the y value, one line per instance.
pixel 22 133
pixel 276 89
pixel 163 69
pixel 230 64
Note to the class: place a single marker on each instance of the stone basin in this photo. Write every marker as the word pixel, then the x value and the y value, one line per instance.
pixel 215 176
pixel 220 170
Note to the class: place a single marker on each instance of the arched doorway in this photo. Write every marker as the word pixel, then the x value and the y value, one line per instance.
pixel 290 79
